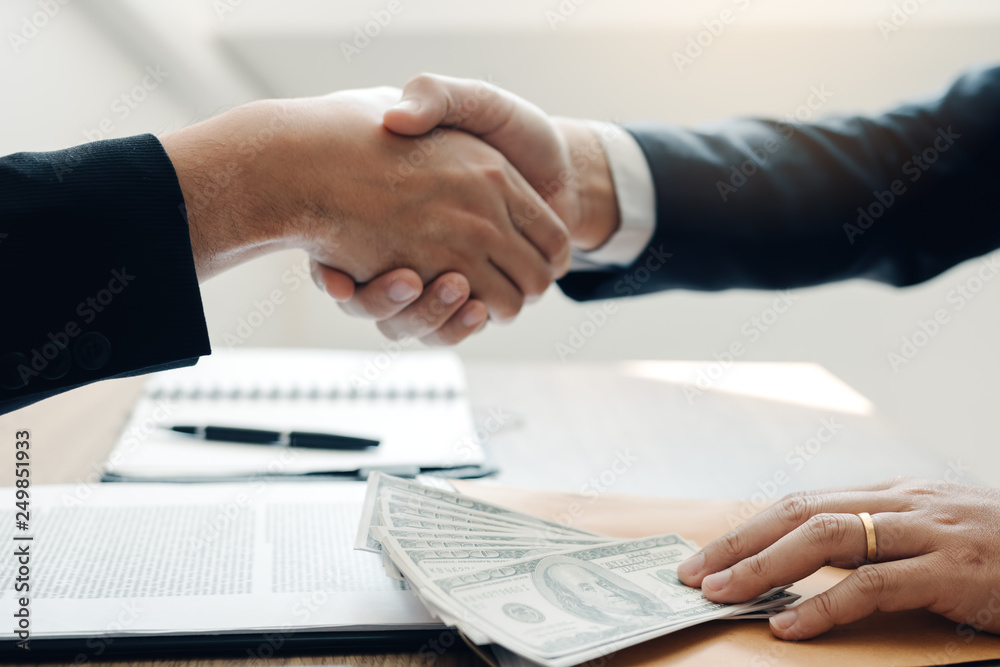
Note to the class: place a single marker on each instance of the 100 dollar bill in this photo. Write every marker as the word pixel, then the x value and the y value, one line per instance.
pixel 556 607
pixel 380 484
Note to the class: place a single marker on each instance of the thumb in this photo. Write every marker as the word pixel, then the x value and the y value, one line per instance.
pixel 430 100
pixel 335 283
pixel 521 131
pixel 418 112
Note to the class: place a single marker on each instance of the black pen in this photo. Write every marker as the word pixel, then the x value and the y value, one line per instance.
pixel 253 436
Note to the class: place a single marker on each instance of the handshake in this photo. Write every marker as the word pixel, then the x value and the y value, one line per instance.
pixel 431 210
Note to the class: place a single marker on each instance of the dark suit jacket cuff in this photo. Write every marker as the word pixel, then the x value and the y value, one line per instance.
pixel 98 245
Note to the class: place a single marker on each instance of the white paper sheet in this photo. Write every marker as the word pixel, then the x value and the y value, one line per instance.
pixel 137 559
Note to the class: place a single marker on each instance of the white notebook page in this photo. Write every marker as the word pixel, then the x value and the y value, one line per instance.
pixel 415 404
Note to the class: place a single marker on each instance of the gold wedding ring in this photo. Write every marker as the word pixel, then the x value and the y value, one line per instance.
pixel 866 519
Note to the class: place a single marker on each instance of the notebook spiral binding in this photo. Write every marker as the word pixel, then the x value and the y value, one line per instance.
pixel 296 393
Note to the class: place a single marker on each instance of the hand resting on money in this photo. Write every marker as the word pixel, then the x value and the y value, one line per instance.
pixel 938 547
pixel 551 593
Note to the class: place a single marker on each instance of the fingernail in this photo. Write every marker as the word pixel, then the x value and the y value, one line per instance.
pixel 409 106
pixel 401 291
pixel 692 566
pixel 450 294
pixel 473 318
pixel 784 620
pixel 716 582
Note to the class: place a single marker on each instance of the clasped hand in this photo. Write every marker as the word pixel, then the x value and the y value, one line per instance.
pixel 562 159
pixel 937 548
pixel 327 175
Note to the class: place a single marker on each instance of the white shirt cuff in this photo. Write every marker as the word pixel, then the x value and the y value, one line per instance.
pixel 636 196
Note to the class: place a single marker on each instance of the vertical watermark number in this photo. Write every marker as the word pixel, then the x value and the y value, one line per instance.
pixel 22 538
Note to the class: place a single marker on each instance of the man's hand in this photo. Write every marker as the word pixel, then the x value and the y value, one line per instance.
pixel 438 314
pixel 562 159
pixel 323 174
pixel 937 548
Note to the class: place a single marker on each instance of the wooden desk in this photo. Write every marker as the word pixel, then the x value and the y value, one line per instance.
pixel 667 429
pixel 645 428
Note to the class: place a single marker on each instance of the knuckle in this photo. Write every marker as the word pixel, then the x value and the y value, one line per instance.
pixel 902 481
pixel 496 241
pixel 372 301
pixel 822 529
pixel 872 580
pixel 732 544
pixel 560 237
pixel 414 325
pixel 795 508
pixel 945 516
pixel 388 328
pixel 509 308
pixel 563 262
pixel 557 241
pixel 759 565
pixel 450 292
pixel 423 81
pixel 377 311
pixel 437 339
pixel 494 170
pixel 431 316
pixel 964 556
pixel 485 233
pixel 535 283
pixel 920 488
pixel 825 605
pixel 445 337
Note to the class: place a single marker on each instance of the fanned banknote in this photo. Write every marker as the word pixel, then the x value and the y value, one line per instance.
pixel 380 484
pixel 550 594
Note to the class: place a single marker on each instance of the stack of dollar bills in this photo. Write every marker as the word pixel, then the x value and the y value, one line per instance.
pixel 552 594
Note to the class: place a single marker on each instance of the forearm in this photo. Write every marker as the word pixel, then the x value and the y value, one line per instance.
pixel 218 162
pixel 591 179
pixel 750 203
pixel 765 205
pixel 97 264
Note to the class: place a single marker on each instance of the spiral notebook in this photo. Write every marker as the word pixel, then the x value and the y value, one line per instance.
pixel 415 403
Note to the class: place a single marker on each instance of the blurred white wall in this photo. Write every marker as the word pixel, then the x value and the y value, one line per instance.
pixel 610 59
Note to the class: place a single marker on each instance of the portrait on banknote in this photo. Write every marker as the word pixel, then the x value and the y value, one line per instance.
pixel 595 594
pixel 523 613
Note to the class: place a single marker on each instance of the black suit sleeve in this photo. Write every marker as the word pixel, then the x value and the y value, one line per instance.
pixel 96 266
pixel 896 198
